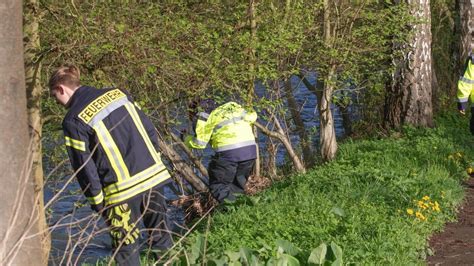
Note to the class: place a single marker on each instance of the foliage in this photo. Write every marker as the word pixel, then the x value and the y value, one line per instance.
pixel 359 201
pixel 444 48
pixel 281 253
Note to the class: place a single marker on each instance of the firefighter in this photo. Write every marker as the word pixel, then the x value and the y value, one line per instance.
pixel 228 128
pixel 112 146
pixel 466 89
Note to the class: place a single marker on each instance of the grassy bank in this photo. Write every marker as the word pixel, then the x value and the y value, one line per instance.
pixel 379 202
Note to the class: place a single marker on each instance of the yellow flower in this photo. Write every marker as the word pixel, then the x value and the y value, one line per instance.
pixel 426 198
pixel 470 170
pixel 436 207
pixel 420 216
pixel 420 204
pixel 410 211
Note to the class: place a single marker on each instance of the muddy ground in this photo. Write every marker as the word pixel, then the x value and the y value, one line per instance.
pixel 455 245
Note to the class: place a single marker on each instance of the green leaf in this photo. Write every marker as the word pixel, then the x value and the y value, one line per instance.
pixel 217 262
pixel 233 256
pixel 338 211
pixel 245 255
pixel 337 251
pixel 318 255
pixel 337 262
pixel 287 260
pixel 287 247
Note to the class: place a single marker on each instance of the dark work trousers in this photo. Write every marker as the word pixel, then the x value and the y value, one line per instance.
pixel 227 178
pixel 124 218
pixel 471 124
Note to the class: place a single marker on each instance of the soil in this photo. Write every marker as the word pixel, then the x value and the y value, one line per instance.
pixel 455 245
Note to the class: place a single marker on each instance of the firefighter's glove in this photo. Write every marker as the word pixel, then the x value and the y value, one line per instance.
pixel 99 207
pixel 462 108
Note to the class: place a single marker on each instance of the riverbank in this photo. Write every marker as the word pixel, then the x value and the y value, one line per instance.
pixel 379 202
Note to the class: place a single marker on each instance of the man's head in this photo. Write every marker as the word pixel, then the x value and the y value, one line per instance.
pixel 63 83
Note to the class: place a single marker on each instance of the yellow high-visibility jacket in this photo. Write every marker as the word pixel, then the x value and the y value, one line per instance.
pixel 228 128
pixel 466 84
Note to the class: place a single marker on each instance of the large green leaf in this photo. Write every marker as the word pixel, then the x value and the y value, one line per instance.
pixel 287 247
pixel 318 255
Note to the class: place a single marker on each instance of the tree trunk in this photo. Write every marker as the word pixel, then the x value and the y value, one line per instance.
pixel 33 94
pixel 408 99
pixel 327 136
pixel 251 64
pixel 181 166
pixel 299 124
pixel 20 243
pixel 346 119
pixel 466 12
pixel 272 150
pixel 197 163
pixel 279 134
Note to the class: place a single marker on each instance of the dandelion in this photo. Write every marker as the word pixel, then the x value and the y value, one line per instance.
pixel 426 198
pixel 420 216
pixel 410 211
pixel 436 207
pixel 421 204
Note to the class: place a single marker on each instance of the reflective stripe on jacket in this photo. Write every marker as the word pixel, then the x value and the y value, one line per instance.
pixel 112 144
pixel 228 128
pixel 466 83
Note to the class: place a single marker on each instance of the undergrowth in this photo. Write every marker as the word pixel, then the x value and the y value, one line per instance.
pixel 379 202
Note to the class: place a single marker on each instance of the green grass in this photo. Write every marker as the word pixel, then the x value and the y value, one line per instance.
pixel 358 201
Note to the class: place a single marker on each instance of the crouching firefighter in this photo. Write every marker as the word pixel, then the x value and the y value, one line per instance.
pixel 465 91
pixel 113 148
pixel 228 128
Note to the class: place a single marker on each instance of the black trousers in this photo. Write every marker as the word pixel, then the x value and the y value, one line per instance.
pixel 124 219
pixel 227 178
pixel 471 124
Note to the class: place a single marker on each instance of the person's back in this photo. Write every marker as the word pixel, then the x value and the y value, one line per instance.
pixel 228 128
pixel 127 157
pixel 113 148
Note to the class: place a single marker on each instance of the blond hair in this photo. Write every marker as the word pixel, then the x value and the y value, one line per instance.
pixel 68 75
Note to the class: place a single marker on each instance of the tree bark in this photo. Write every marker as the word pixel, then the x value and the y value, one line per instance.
pixel 408 99
pixel 251 81
pixel 279 134
pixel 466 12
pixel 299 124
pixel 20 242
pixel 33 94
pixel 327 137
pixel 272 150
pixel 181 166
pixel 190 154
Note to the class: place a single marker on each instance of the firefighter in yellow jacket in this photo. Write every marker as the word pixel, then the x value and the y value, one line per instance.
pixel 112 147
pixel 228 129
pixel 466 89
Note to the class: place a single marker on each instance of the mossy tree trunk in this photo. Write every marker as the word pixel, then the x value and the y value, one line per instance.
pixel 19 239
pixel 33 94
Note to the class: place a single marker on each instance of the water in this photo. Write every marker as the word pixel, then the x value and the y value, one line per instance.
pixel 81 236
